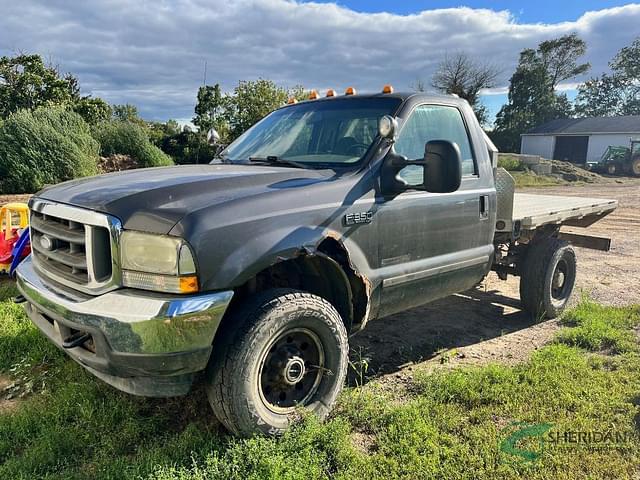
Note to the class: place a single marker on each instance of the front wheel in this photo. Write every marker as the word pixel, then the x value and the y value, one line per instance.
pixel 547 277
pixel 612 168
pixel 280 350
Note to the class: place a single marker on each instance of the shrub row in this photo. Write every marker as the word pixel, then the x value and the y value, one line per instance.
pixel 45 146
pixel 51 145
pixel 126 138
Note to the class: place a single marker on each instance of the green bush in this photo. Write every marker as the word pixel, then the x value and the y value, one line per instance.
pixel 511 164
pixel 44 146
pixel 126 138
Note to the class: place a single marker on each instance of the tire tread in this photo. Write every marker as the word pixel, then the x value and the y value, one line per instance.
pixel 532 278
pixel 232 349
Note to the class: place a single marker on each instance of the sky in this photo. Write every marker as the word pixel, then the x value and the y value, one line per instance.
pixel 152 53
pixel 542 11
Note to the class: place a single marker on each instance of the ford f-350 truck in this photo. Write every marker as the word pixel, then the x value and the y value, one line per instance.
pixel 252 271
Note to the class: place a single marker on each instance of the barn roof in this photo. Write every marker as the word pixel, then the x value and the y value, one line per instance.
pixel 586 126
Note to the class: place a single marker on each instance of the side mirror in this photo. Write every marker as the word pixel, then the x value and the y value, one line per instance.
pixel 442 166
pixel 213 137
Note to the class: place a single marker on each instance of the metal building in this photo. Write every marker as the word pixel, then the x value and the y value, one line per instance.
pixel 578 140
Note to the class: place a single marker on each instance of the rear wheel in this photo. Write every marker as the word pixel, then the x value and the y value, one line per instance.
pixel 635 166
pixel 285 349
pixel 547 277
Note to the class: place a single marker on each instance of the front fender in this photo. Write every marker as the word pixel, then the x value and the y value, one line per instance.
pixel 274 246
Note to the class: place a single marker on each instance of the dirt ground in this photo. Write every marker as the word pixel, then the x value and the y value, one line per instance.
pixel 485 324
pixel 14 198
pixel 6 404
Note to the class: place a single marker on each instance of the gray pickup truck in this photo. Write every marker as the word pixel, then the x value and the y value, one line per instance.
pixel 251 272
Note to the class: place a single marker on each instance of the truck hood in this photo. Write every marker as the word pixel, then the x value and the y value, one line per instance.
pixel 155 199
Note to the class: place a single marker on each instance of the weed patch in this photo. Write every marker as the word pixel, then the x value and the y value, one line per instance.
pixel 464 423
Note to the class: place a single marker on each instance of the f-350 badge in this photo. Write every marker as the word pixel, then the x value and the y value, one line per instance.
pixel 357 218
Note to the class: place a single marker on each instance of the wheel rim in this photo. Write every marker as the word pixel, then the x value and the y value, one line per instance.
pixel 611 169
pixel 291 370
pixel 636 167
pixel 559 283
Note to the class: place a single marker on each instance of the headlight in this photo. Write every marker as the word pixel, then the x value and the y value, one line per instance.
pixel 157 262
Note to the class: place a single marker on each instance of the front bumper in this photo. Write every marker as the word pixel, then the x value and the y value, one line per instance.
pixel 139 342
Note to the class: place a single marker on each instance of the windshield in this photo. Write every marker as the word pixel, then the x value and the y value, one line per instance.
pixel 333 132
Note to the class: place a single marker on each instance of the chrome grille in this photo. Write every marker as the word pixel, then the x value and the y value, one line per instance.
pixel 75 247
pixel 60 246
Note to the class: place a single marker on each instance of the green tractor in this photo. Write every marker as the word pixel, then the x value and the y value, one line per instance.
pixel 619 160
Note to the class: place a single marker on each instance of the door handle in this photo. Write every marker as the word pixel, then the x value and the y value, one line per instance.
pixel 484 207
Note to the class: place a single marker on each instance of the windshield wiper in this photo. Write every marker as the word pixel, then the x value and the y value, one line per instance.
pixel 273 160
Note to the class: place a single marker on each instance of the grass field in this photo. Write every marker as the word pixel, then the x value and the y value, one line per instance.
pixel 57 422
pixel 530 179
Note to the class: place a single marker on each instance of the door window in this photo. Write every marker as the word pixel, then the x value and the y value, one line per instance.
pixel 432 122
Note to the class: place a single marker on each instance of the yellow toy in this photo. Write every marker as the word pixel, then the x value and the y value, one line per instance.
pixel 10 231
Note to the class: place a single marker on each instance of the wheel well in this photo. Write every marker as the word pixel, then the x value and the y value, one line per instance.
pixel 325 272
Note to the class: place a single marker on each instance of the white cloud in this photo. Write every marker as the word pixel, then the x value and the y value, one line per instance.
pixel 152 53
pixel 563 87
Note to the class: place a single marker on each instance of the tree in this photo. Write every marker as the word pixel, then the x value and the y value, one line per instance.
pixel 532 97
pixel 27 83
pixel 126 113
pixel 559 58
pixel 210 110
pixel 158 131
pixel 418 85
pixel 92 110
pixel 615 93
pixel 462 76
pixel 229 113
pixel 186 146
pixel 599 97
pixel 250 102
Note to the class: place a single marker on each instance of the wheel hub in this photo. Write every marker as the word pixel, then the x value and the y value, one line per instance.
pixel 558 279
pixel 291 370
pixel 294 370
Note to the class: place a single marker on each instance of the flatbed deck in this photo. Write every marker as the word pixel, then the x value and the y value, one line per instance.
pixel 533 211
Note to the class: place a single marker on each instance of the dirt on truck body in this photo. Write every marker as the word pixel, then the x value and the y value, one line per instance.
pixel 252 271
pixel 486 324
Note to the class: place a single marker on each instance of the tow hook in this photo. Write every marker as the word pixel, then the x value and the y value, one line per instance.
pixel 76 340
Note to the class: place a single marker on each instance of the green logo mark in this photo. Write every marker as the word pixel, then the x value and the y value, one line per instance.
pixel 509 444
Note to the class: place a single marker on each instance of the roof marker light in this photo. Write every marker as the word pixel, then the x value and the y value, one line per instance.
pixel 387 89
pixel 350 91
pixel 331 93
pixel 313 95
pixel 291 101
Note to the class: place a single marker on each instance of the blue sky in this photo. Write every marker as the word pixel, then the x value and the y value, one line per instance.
pixel 542 11
pixel 151 53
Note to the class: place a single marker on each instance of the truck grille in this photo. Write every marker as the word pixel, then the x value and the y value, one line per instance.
pixel 75 247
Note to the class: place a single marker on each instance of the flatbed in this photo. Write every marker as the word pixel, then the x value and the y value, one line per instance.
pixel 533 211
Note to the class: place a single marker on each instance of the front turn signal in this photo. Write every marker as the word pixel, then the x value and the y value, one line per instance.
pixel 189 284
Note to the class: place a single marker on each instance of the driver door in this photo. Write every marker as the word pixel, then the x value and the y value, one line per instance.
pixel 432 244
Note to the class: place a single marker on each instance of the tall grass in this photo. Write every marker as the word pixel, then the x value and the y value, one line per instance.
pixel 451 424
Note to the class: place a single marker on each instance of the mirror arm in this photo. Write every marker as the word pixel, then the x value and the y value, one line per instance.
pixel 391 166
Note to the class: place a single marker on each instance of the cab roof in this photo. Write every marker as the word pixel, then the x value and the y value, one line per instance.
pixel 420 97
